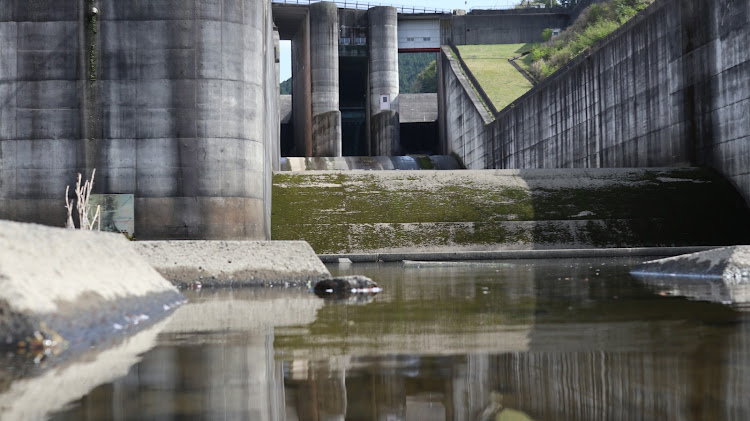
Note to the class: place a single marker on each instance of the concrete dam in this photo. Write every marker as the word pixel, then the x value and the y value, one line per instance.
pixel 176 105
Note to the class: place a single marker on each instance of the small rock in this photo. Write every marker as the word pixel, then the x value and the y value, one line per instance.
pixel 344 286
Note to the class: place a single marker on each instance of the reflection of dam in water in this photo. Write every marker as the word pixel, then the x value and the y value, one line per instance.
pixel 546 340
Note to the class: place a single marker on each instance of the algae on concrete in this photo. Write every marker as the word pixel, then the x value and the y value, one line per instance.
pixel 381 211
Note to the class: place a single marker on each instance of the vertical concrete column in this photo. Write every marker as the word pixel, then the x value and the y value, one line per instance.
pixel 301 90
pixel 324 71
pixel 275 146
pixel 173 105
pixel 41 100
pixel 383 41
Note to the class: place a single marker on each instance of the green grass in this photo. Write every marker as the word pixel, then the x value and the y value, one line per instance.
pixel 489 63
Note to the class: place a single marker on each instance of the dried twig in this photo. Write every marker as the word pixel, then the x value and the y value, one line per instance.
pixel 69 207
pixel 83 194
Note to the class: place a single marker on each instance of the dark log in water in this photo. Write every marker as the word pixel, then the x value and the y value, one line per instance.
pixel 344 287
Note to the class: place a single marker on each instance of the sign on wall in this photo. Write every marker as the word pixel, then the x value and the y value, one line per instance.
pixel 117 212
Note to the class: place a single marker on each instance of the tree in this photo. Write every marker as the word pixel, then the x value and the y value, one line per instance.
pixel 426 81
pixel 409 66
pixel 285 87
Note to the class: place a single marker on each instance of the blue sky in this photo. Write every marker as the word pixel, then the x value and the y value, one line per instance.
pixel 285 47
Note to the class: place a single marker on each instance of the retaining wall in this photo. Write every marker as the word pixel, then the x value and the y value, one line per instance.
pixel 670 88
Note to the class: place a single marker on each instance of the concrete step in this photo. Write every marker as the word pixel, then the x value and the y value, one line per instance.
pixel 429 211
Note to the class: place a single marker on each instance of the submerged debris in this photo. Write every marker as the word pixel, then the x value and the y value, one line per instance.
pixel 42 343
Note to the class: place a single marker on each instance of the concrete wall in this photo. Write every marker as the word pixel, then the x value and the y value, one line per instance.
pixel 167 101
pixel 463 118
pixel 668 89
pixel 501 26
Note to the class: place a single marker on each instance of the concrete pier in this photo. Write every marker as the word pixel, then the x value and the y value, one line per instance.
pixel 383 42
pixel 174 105
pixel 324 70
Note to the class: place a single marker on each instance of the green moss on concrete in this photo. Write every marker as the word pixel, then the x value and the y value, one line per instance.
pixel 338 212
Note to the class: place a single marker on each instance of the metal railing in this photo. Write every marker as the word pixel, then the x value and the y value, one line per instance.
pixel 364 5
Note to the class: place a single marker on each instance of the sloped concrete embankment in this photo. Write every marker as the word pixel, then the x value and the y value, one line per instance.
pixel 669 88
pixel 68 289
pixel 396 211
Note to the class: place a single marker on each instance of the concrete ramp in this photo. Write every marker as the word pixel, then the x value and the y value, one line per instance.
pixel 395 211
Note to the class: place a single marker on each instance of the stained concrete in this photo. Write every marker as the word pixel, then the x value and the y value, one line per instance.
pixel 324 74
pixel 171 103
pixel 446 211
pixel 501 26
pixel 234 263
pixel 76 286
pixel 383 81
pixel 464 119
pixel 418 108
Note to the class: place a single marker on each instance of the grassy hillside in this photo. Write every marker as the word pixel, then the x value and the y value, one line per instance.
pixel 595 22
pixel 489 64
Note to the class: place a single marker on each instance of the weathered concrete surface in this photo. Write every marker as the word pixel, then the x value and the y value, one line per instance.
pixel 324 76
pixel 463 118
pixel 417 108
pixel 77 286
pixel 415 162
pixel 301 87
pixel 48 387
pixel 170 102
pixel 234 263
pixel 384 134
pixel 326 134
pixel 422 211
pixel 501 26
pixel 729 263
pixel 720 275
pixel 383 80
pixel 670 88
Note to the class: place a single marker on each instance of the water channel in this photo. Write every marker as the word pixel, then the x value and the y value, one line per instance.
pixel 564 339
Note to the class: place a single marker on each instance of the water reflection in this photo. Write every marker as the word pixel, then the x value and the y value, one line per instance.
pixel 30 391
pixel 544 340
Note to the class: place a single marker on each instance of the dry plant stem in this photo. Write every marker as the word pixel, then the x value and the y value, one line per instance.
pixel 69 207
pixel 83 194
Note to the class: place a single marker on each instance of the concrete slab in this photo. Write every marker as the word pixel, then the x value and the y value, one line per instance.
pixel 234 263
pixel 62 290
pixel 732 264
pixel 721 275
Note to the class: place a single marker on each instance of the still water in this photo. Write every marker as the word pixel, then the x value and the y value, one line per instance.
pixel 574 339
